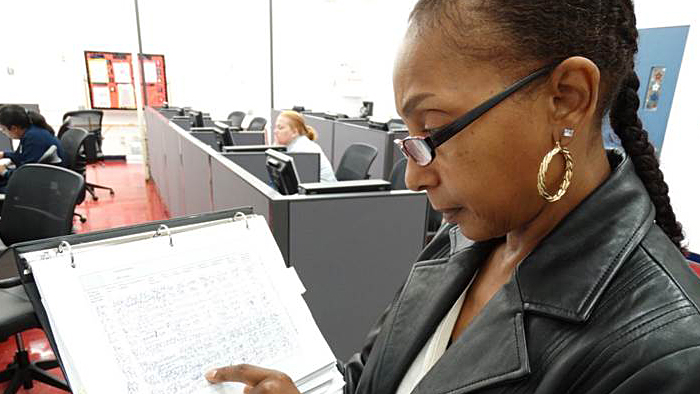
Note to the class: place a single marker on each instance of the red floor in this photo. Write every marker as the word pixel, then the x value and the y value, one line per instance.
pixel 135 201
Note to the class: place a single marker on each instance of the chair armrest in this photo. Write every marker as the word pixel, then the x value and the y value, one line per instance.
pixel 10 282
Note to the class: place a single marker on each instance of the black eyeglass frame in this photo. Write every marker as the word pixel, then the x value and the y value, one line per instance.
pixel 444 133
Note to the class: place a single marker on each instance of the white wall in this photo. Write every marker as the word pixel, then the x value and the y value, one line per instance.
pixel 330 55
pixel 217 53
pixel 43 43
pixel 679 155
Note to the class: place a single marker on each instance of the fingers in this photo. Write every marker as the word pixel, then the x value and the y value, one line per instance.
pixel 273 386
pixel 244 373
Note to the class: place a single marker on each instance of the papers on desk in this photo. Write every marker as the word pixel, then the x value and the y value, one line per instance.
pixel 147 317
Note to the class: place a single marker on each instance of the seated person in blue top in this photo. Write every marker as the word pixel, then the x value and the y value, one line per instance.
pixel 292 131
pixel 34 134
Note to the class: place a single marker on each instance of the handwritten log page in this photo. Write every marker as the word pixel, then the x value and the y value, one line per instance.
pixel 147 317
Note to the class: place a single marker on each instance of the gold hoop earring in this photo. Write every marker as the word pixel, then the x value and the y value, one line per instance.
pixel 568 173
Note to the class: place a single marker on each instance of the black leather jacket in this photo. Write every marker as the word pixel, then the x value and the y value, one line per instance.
pixel 605 304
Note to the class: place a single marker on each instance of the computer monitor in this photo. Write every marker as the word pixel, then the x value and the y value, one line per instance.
pixel 209 135
pixel 198 119
pixel 282 172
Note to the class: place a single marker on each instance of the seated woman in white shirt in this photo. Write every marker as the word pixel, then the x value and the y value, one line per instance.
pixel 293 132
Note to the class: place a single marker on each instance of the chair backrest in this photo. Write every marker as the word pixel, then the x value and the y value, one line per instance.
pixel 72 142
pixel 89 120
pixel 398 175
pixel 236 118
pixel 50 156
pixel 355 163
pixel 39 203
pixel 257 124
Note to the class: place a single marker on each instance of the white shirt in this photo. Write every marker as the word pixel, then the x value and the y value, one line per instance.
pixel 303 144
pixel 437 344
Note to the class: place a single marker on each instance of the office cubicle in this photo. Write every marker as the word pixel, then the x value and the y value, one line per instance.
pixel 352 251
pixel 325 129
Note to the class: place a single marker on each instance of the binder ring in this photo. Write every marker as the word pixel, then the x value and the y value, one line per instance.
pixel 163 229
pixel 65 246
pixel 241 216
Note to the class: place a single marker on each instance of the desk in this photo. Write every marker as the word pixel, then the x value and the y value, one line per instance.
pixel 352 251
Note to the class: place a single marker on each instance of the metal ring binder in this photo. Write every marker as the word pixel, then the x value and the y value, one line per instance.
pixel 62 247
pixel 241 216
pixel 163 228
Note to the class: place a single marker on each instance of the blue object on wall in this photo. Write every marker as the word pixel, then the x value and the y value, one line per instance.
pixel 658 47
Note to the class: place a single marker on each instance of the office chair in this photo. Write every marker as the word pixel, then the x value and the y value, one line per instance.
pixel 398 175
pixel 355 163
pixel 398 182
pixel 257 124
pixel 73 141
pixel 236 118
pixel 40 202
pixel 91 121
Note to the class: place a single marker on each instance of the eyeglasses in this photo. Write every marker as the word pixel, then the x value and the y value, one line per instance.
pixel 422 149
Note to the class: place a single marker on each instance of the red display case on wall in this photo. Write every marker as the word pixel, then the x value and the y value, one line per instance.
pixel 156 84
pixel 110 80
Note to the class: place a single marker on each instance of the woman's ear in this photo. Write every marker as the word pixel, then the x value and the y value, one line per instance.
pixel 573 95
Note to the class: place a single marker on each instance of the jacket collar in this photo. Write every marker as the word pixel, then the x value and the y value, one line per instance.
pixel 576 261
pixel 579 258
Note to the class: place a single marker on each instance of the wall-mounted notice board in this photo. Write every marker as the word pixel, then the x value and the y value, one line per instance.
pixel 156 85
pixel 111 80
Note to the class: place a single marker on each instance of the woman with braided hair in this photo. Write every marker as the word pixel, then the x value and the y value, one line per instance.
pixel 561 269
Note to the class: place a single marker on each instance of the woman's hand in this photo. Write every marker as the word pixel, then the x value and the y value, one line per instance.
pixel 257 380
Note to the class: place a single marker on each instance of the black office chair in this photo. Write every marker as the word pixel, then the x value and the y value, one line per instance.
pixel 73 142
pixel 90 121
pixel 398 175
pixel 355 163
pixel 236 118
pixel 40 202
pixel 257 124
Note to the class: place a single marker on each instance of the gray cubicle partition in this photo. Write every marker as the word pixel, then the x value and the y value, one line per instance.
pixel 347 134
pixel 307 164
pixel 326 133
pixel 352 251
pixel 248 137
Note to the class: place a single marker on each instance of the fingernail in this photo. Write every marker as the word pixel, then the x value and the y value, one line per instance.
pixel 210 375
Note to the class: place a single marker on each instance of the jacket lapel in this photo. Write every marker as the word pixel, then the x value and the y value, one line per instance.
pixel 431 290
pixel 490 351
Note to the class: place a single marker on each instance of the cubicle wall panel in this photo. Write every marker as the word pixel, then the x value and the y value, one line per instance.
pixel 352 255
pixel 173 173
pixel 156 128
pixel 196 169
pixel 348 134
pixel 325 129
pixel 230 190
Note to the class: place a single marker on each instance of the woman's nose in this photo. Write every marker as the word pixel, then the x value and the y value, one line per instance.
pixel 420 178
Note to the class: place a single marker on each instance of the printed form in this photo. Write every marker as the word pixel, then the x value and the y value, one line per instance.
pixel 147 317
